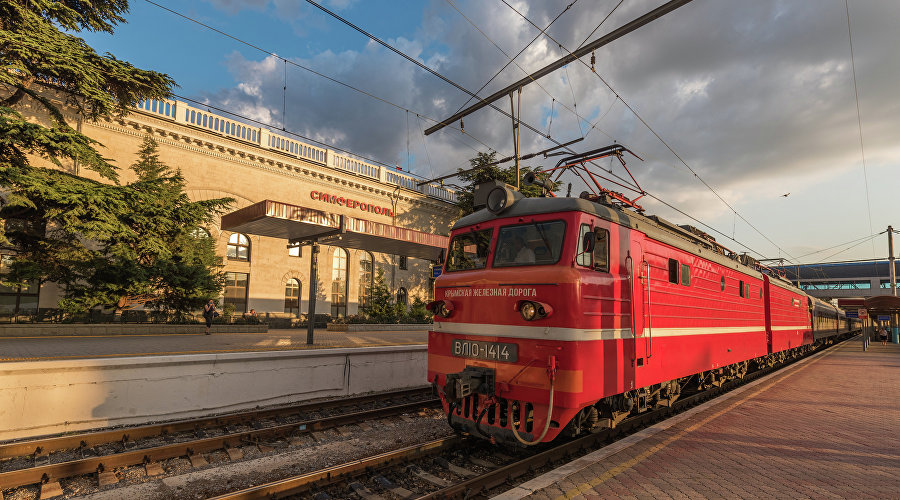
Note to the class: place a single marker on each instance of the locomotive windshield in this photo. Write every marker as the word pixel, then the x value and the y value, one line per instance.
pixel 469 250
pixel 534 244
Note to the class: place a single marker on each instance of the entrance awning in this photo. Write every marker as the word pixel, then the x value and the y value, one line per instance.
pixel 295 223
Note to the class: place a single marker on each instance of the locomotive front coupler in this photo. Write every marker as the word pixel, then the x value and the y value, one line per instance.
pixel 472 380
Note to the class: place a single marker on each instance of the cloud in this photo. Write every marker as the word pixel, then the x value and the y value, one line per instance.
pixel 756 97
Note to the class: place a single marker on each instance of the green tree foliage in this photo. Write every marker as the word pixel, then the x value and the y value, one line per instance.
pixel 99 240
pixel 481 170
pixel 381 306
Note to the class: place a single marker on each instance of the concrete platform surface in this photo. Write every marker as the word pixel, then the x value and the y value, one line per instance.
pixel 825 427
pixel 85 347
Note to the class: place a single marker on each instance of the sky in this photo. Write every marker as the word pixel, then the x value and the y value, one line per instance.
pixel 730 104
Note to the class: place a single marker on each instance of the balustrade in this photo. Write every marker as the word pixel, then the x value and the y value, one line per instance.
pixel 183 113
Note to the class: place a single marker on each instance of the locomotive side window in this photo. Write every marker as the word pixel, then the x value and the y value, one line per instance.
pixel 673 271
pixel 685 275
pixel 723 283
pixel 601 250
pixel 747 290
pixel 741 289
pixel 532 244
pixel 469 250
pixel 583 258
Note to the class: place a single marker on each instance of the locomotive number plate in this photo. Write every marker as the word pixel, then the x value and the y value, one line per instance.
pixel 491 351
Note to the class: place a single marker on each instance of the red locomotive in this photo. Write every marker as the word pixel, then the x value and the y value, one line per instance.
pixel 565 315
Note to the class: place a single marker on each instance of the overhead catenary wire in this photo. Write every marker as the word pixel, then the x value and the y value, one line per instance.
pixel 864 238
pixel 594 125
pixel 308 69
pixel 388 102
pixel 247 119
pixel 536 82
pixel 862 149
pixel 421 65
pixel 655 134
pixel 852 246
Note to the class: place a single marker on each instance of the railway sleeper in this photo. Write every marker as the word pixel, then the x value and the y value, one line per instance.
pixel 459 471
pixel 428 478
pixel 399 491
pixel 363 492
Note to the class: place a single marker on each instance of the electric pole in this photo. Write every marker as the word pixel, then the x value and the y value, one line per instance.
pixel 890 232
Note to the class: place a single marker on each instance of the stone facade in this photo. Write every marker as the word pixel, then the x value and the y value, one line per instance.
pixel 222 158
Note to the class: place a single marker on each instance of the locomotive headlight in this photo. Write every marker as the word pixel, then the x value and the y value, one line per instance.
pixel 528 310
pixel 499 199
pixel 442 308
pixel 532 311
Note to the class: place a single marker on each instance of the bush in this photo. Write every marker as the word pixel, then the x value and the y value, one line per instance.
pixel 417 313
pixel 321 320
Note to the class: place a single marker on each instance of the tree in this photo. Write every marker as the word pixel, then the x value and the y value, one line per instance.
pixel 481 170
pixel 381 305
pixel 175 257
pixel 90 236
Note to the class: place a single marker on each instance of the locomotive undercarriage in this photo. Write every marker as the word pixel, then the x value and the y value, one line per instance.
pixel 475 408
pixel 609 411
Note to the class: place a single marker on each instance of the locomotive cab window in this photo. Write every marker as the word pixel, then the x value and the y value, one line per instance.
pixel 469 250
pixel 598 257
pixel 685 275
pixel 532 244
pixel 673 271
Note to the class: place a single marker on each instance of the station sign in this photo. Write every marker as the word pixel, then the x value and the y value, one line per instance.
pixel 852 314
pixel 436 271
pixel 884 317
pixel 863 313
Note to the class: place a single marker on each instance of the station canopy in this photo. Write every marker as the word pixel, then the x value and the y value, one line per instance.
pixel 883 304
pixel 297 224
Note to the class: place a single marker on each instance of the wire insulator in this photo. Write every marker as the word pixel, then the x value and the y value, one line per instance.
pixel 593 61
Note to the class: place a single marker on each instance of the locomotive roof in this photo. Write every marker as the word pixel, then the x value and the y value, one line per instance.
pixel 656 228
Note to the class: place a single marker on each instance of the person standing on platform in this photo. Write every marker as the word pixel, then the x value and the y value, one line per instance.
pixel 209 312
pixel 883 334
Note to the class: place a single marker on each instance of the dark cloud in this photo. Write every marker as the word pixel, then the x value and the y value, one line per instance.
pixel 750 94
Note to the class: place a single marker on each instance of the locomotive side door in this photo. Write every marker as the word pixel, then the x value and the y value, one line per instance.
pixel 638 272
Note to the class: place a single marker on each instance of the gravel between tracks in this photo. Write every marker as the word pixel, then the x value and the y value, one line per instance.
pixel 331 447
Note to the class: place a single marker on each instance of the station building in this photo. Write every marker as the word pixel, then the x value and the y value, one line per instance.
pixel 223 157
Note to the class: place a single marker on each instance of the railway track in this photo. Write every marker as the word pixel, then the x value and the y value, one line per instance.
pixel 46 461
pixel 460 467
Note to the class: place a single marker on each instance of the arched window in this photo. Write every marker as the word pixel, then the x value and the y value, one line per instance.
pixel 339 283
pixel 292 291
pixel 402 297
pixel 366 278
pixel 238 247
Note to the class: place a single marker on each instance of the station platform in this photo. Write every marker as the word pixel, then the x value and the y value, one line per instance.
pixel 45 347
pixel 827 426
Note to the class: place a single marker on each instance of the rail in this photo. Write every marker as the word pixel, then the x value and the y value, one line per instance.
pixel 38 452
pixel 431 464
pixel 185 114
